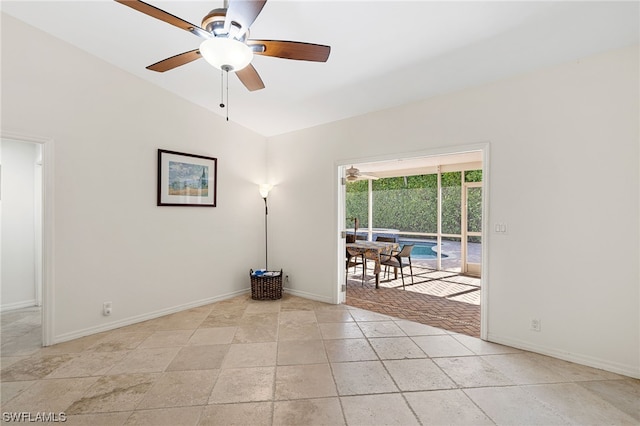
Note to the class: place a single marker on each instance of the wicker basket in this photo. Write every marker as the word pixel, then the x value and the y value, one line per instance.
pixel 266 287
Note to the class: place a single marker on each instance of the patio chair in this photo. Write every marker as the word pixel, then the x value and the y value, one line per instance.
pixel 352 260
pixel 361 237
pixel 395 259
pixel 351 238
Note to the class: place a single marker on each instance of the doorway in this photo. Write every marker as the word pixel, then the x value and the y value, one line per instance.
pixel 25 221
pixel 446 229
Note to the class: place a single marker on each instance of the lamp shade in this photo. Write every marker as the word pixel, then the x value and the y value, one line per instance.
pixel 226 52
pixel 264 189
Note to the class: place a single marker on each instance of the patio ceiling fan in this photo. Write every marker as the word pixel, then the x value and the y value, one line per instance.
pixel 354 174
pixel 226 43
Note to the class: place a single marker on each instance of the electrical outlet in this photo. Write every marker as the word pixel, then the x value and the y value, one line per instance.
pixel 107 308
pixel 535 324
pixel 286 279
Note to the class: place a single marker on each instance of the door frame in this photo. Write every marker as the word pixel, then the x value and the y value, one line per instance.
pixel 47 242
pixel 340 167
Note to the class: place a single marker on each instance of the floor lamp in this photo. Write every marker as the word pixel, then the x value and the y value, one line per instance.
pixel 264 192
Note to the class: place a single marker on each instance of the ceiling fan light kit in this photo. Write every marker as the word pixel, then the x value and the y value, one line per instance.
pixel 226 54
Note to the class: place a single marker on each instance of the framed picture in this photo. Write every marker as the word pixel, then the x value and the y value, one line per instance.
pixel 186 179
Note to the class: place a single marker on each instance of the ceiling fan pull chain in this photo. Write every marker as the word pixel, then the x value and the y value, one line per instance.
pixel 224 73
pixel 221 89
pixel 227 95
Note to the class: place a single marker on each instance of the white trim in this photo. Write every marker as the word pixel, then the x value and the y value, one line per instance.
pixel 18 305
pixel 144 317
pixel 484 277
pixel 603 364
pixel 311 296
pixel 338 295
pixel 439 219
pixel 38 226
pixel 48 284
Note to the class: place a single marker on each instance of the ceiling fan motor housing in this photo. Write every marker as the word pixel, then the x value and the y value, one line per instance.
pixel 214 21
pixel 352 171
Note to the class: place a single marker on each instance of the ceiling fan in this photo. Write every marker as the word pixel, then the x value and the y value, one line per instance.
pixel 226 43
pixel 354 174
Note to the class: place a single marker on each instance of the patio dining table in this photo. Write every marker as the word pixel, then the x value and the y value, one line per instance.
pixel 372 250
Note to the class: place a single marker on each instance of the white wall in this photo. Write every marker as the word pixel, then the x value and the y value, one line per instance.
pixel 111 241
pixel 17 229
pixel 563 175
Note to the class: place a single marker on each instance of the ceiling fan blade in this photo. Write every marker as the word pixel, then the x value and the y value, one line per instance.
pixel 243 12
pixel 354 174
pixel 250 78
pixel 175 61
pixel 292 50
pixel 160 14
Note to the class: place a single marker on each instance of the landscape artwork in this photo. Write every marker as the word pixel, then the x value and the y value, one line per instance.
pixel 186 179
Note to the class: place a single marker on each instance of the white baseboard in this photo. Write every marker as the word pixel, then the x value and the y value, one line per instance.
pixel 144 317
pixel 156 314
pixel 18 305
pixel 614 367
pixel 306 295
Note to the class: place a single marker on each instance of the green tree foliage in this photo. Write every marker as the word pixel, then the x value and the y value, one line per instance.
pixel 473 176
pixel 357 202
pixel 410 203
pixel 451 193
pixel 474 210
pixel 407 203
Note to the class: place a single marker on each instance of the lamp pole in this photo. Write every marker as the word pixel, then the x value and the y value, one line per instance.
pixel 264 192
pixel 266 241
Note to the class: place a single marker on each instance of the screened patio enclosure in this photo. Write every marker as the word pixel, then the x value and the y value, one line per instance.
pixel 436 207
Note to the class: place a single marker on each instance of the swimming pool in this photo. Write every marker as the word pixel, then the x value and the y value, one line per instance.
pixel 422 249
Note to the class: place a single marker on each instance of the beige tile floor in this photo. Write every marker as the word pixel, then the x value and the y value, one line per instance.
pixel 298 362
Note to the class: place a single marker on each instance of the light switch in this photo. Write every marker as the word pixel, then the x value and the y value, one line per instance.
pixel 501 228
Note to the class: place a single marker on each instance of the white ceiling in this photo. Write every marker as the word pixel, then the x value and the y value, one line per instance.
pixel 384 53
